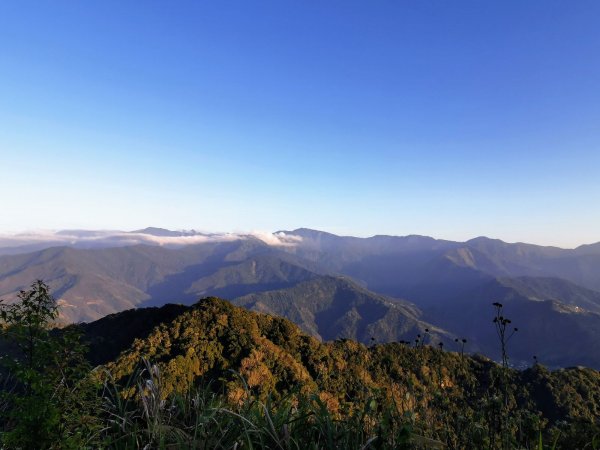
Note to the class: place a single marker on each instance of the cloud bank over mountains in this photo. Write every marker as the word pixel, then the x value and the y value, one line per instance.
pixel 149 236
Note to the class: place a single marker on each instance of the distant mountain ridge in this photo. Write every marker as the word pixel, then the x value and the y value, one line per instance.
pixel 553 293
pixel 155 231
pixel 90 283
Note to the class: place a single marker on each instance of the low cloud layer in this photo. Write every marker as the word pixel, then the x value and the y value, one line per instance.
pixel 15 243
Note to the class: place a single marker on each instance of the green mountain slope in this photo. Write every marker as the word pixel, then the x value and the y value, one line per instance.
pixel 214 340
pixel 334 307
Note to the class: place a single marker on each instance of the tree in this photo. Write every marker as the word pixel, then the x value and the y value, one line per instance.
pixel 49 375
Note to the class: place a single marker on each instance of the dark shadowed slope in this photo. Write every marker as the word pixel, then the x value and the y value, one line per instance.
pixel 560 335
pixel 548 288
pixel 112 334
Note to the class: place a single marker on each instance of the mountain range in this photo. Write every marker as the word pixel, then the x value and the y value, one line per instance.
pixel 377 289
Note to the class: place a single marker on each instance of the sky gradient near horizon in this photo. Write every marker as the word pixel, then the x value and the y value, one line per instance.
pixel 449 119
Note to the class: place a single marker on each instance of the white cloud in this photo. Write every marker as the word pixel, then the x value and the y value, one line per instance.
pixel 277 239
pixel 109 238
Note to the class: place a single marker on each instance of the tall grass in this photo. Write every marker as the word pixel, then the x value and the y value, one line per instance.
pixel 205 419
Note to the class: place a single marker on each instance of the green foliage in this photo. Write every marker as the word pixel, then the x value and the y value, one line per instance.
pixel 215 376
pixel 49 402
pixel 462 401
pixel 204 419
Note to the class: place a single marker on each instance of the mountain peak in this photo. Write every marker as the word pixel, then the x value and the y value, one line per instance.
pixel 163 232
pixel 310 233
pixel 591 249
pixel 485 239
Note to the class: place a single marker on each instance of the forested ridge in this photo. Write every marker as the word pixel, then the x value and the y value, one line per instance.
pixel 214 375
pixel 447 395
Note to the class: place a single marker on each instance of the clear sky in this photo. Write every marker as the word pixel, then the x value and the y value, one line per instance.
pixel 447 118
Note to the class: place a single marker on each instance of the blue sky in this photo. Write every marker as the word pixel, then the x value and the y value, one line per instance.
pixel 447 118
